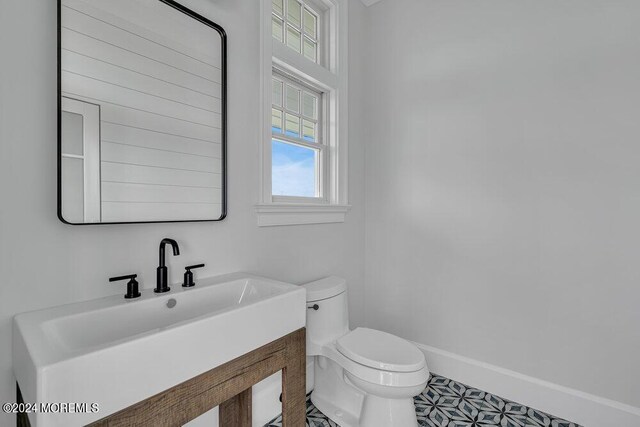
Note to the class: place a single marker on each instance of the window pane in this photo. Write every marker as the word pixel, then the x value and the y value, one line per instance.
pixel 310 49
pixel 277 6
pixel 293 99
pixel 294 13
pixel 276 96
pixel 293 39
pixel 310 24
pixel 276 120
pixel 308 130
pixel 276 29
pixel 293 171
pixel 292 125
pixel 309 103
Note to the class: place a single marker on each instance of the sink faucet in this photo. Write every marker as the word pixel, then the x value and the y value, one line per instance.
pixel 161 283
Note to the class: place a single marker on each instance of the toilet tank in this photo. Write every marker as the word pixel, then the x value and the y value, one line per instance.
pixel 327 312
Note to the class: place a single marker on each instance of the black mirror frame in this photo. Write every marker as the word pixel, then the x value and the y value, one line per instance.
pixel 223 54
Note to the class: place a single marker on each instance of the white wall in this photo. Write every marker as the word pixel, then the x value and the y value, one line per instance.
pixel 44 262
pixel 503 186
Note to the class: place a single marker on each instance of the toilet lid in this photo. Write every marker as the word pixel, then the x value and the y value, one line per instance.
pixel 381 350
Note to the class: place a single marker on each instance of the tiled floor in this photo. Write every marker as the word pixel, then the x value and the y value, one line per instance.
pixel 447 403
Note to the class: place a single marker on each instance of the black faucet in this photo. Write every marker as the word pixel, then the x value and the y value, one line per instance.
pixel 161 283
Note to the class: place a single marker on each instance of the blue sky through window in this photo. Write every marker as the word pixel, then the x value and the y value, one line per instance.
pixel 293 170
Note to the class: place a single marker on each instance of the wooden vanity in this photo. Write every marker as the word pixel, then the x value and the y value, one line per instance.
pixel 228 386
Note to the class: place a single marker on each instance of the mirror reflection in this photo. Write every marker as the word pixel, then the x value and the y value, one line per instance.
pixel 142 104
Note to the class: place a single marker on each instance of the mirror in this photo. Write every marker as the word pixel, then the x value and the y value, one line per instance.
pixel 141 113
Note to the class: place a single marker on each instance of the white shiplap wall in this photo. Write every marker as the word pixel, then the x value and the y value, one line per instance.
pixel 158 83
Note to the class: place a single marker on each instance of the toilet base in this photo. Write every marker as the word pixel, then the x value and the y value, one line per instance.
pixel 342 401
pixel 339 401
pixel 383 412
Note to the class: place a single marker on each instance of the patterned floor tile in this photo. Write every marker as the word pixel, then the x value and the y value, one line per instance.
pixel 315 418
pixel 448 403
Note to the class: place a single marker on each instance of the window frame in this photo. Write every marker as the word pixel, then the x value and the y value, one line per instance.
pixel 329 78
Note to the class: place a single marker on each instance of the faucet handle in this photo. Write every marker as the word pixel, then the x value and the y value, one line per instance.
pixel 132 285
pixel 188 275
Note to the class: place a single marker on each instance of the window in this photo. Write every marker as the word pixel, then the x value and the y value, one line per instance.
pixel 295 24
pixel 304 118
pixel 296 145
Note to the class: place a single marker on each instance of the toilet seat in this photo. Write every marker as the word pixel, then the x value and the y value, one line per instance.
pixel 374 375
pixel 380 350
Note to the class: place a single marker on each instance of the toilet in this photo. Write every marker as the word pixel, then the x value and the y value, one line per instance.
pixel 363 377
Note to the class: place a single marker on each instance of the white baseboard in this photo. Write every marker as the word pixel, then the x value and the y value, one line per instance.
pixel 573 405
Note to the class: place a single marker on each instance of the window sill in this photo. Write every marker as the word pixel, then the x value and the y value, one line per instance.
pixel 275 214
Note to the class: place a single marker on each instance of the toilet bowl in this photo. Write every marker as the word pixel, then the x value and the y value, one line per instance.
pixel 363 377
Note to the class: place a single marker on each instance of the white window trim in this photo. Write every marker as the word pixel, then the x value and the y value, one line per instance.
pixel 332 78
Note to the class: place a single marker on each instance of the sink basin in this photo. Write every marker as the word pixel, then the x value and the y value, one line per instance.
pixel 116 352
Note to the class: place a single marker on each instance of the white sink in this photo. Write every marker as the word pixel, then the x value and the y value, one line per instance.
pixel 116 352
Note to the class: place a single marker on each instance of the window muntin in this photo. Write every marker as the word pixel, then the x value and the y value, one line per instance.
pixel 295 110
pixel 296 24
pixel 298 151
